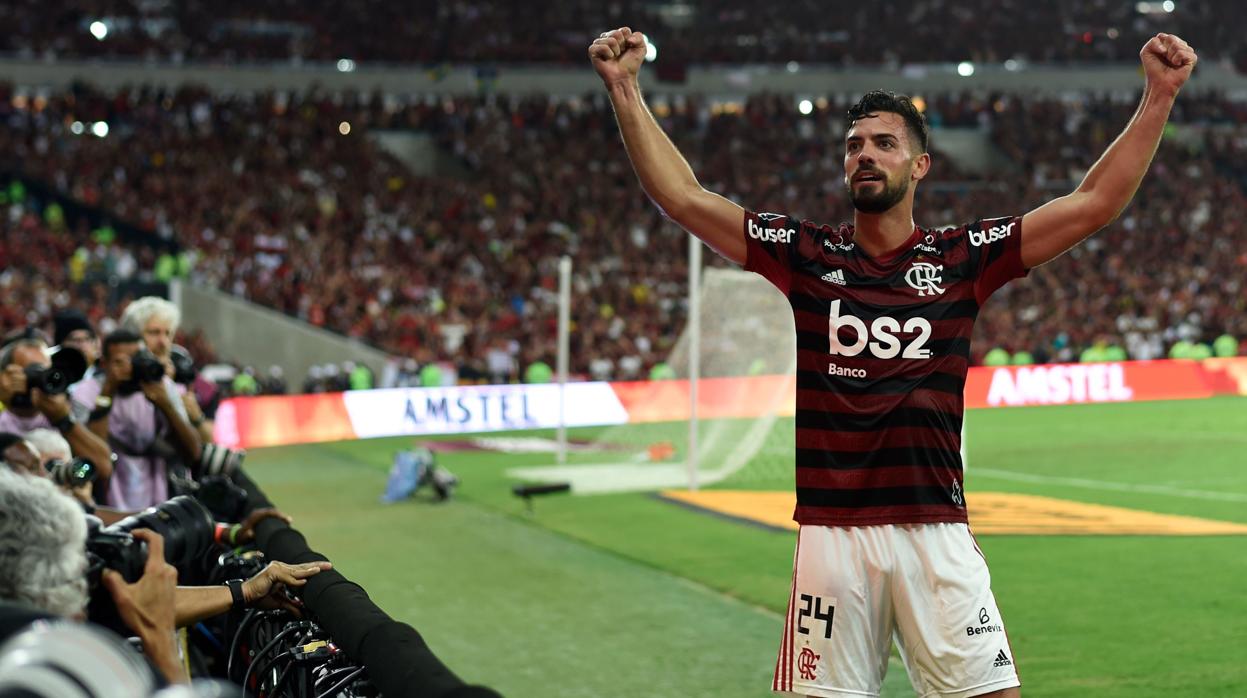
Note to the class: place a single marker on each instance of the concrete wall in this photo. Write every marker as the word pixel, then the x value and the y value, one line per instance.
pixel 260 337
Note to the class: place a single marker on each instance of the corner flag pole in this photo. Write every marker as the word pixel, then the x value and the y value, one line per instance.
pixel 694 352
pixel 565 303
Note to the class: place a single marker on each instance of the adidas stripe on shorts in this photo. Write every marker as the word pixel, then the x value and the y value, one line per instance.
pixel 856 589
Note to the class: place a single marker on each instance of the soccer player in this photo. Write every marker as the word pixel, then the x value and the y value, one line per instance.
pixel 884 310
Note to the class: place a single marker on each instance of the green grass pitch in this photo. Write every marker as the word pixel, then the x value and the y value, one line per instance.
pixel 627 595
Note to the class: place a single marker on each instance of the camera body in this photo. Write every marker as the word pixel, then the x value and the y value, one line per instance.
pixel 50 379
pixel 183 365
pixel 187 529
pixel 145 367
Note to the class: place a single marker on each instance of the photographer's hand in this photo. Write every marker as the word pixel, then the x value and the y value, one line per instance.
pixel 187 441
pixel 82 441
pixel 157 394
pixel 147 606
pixel 54 407
pixel 267 589
pixel 246 530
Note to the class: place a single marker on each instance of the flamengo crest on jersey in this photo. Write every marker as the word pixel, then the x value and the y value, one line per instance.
pixel 883 344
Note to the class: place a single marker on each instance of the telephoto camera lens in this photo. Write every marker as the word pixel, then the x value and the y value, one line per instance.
pixel 185 524
pixel 187 529
pixel 71 473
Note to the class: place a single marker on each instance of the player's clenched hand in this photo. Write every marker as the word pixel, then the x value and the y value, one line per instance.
pixel 617 55
pixel 1167 63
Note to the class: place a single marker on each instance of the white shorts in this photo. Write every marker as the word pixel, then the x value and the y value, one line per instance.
pixel 855 589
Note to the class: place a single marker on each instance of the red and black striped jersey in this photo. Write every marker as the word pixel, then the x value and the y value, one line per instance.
pixel 883 345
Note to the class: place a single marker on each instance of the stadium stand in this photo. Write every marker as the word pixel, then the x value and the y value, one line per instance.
pixel 460 267
pixel 705 32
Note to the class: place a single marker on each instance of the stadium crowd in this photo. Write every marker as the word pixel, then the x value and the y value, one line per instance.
pixel 690 31
pixel 461 266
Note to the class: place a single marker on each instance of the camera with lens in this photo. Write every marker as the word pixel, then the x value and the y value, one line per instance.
pixel 66 366
pixel 183 365
pixel 145 367
pixel 50 379
pixel 71 473
pixel 187 529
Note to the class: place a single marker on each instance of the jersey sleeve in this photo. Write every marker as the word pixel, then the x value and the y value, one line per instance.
pixel 995 246
pixel 770 243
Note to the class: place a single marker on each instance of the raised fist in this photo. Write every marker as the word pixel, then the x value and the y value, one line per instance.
pixel 1167 62
pixel 617 55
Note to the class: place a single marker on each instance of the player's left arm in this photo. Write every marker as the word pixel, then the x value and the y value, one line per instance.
pixel 1052 229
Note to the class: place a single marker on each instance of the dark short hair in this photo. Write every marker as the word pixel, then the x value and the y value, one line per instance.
pixel 876 101
pixel 116 337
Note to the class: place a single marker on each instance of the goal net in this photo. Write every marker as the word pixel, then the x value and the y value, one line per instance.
pixel 746 332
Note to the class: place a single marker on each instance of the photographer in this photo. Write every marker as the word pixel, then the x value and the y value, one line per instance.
pixel 156 320
pixel 136 407
pixel 29 408
pixel 43 563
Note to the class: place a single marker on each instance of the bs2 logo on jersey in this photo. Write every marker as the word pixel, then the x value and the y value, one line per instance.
pixel 999 232
pixel 881 340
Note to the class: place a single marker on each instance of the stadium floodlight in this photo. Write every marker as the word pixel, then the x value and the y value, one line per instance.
pixel 965 69
pixel 346 65
pixel 805 107
pixel 651 50
pixel 99 30
pixel 100 129
pixel 1167 6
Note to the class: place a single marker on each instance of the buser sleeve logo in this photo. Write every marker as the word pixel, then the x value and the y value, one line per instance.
pixel 758 232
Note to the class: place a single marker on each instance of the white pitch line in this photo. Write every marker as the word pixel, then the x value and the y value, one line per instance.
pixel 1115 486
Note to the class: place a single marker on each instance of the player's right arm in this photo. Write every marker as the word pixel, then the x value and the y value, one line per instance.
pixel 664 173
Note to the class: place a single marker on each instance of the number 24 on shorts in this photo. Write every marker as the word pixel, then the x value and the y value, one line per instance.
pixel 819 608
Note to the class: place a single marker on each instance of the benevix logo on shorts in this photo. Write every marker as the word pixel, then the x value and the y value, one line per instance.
pixel 1002 659
pixel 985 625
pixel 758 232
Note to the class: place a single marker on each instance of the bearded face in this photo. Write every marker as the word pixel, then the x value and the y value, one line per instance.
pixel 874 191
pixel 879 165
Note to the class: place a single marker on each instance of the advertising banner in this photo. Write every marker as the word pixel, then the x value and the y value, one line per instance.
pixel 277 420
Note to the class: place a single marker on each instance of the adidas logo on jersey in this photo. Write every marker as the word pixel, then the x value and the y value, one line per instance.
pixel 1002 659
pixel 835 277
